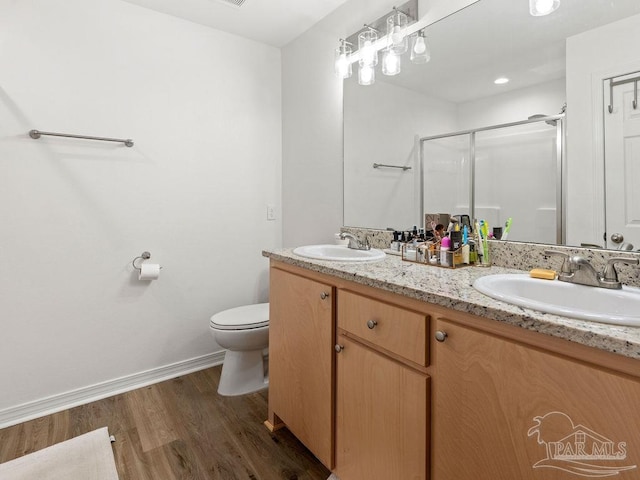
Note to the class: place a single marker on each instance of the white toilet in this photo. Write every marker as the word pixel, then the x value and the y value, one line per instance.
pixel 244 332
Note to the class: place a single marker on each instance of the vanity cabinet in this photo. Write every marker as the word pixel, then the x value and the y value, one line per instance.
pixel 422 392
pixel 301 351
pixel 506 410
pixel 382 399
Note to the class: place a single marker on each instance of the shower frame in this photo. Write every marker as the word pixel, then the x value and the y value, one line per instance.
pixel 559 120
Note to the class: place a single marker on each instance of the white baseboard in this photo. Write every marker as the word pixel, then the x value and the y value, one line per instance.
pixel 56 403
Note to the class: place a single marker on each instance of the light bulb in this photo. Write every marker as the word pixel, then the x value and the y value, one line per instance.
pixel 343 61
pixel 538 8
pixel 419 47
pixel 342 66
pixel 544 6
pixel 397 36
pixel 368 52
pixel 366 75
pixel 390 63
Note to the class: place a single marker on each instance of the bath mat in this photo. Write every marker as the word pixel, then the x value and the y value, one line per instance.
pixel 87 457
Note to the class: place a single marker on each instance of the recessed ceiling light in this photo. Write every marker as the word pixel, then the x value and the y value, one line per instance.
pixel 501 81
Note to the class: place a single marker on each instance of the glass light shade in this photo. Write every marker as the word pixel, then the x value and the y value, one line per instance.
pixel 538 8
pixel 342 61
pixel 397 33
pixel 390 63
pixel 367 48
pixel 366 75
pixel 420 51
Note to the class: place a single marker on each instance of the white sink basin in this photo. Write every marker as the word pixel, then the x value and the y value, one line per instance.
pixel 339 253
pixel 619 307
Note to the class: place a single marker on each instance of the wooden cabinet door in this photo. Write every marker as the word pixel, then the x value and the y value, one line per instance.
pixel 301 345
pixel 381 417
pixel 506 411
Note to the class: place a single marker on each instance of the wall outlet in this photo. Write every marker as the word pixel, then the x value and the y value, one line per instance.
pixel 271 212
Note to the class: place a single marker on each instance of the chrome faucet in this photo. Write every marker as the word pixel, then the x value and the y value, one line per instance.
pixel 354 242
pixel 577 269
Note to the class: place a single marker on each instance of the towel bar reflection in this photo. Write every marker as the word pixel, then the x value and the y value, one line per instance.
pixel 403 167
pixel 35 134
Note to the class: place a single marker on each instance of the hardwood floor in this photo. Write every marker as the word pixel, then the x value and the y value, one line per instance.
pixel 178 429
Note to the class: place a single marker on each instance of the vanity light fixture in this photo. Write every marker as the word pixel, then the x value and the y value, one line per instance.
pixel 393 45
pixel 501 81
pixel 420 52
pixel 343 60
pixel 538 8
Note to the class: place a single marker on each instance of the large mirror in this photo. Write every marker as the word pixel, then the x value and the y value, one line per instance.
pixel 561 58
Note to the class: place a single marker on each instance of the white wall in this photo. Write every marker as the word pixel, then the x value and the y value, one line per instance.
pixel 545 98
pixel 204 110
pixel 600 53
pixel 312 119
pixel 383 124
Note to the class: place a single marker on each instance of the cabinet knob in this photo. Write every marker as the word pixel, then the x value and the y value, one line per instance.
pixel 371 324
pixel 338 348
pixel 441 336
pixel 324 295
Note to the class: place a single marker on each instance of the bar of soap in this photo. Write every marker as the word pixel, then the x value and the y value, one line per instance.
pixel 542 273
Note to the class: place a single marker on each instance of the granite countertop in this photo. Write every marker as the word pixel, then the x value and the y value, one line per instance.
pixel 452 288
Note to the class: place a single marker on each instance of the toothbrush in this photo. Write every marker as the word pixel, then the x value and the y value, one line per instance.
pixel 485 232
pixel 507 227
pixel 480 250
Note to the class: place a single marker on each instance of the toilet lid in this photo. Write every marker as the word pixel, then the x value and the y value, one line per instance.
pixel 242 318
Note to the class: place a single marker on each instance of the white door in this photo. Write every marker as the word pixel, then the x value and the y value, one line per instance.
pixel 622 168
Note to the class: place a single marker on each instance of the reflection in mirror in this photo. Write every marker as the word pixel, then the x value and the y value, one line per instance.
pixel 500 173
pixel 454 91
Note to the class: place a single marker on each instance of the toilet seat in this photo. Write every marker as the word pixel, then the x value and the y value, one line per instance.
pixel 242 318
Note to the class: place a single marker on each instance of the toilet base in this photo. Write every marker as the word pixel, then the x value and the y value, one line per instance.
pixel 243 372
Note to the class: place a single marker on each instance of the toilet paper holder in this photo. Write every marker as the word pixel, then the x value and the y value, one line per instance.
pixel 142 257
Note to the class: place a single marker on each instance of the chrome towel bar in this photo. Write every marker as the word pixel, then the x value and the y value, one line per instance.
pixel 35 134
pixel 403 167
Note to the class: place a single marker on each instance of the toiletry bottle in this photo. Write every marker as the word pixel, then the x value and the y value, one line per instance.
pixel 444 252
pixel 465 245
pixel 456 245
pixel 473 256
pixel 395 245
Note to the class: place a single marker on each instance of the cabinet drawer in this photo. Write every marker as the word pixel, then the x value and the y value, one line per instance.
pixel 400 331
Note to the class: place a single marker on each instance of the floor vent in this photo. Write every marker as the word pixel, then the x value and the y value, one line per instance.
pixel 232 3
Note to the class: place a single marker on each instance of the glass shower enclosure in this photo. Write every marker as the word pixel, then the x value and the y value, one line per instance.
pixel 512 170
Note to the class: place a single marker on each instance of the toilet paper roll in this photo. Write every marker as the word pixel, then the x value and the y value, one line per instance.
pixel 149 271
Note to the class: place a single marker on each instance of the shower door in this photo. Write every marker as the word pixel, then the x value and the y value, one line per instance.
pixel 500 172
pixel 517 177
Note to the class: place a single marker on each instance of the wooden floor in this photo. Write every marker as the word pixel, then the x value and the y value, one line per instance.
pixel 178 429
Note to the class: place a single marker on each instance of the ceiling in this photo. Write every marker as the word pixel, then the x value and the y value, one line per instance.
pixel 274 22
pixel 494 38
